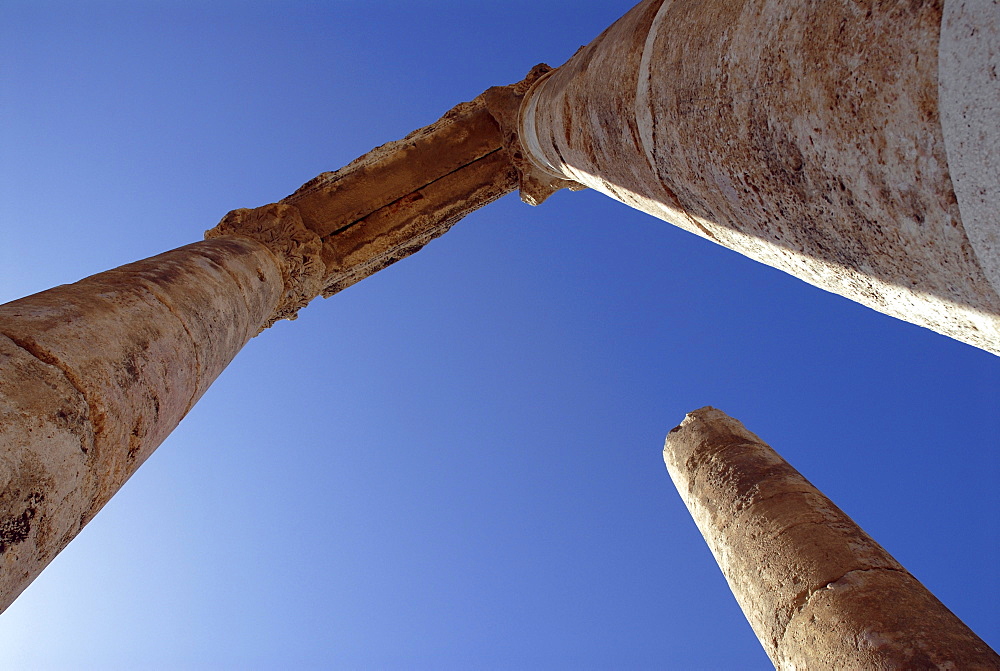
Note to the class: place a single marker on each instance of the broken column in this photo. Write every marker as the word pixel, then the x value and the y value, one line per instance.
pixel 817 590
pixel 853 145
pixel 94 375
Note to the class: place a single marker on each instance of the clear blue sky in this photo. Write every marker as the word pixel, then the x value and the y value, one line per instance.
pixel 456 463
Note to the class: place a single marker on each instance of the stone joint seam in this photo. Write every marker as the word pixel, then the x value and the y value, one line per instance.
pixel 802 599
pixel 354 274
pixel 350 225
pixel 349 276
pixel 49 359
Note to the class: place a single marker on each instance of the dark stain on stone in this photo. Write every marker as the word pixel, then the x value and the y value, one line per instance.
pixel 16 529
pixel 76 421
pixel 135 440
pixel 130 367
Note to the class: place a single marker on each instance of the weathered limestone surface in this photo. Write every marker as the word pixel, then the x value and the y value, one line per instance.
pixel 95 374
pixel 805 135
pixel 817 590
pixel 969 89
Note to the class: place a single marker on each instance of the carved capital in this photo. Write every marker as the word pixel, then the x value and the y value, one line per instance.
pixel 279 227
pixel 504 104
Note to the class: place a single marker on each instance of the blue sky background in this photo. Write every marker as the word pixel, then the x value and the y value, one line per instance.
pixel 456 463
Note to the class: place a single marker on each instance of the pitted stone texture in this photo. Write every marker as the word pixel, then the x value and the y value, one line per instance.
pixel 792 558
pixel 969 87
pixel 888 620
pixel 344 225
pixel 45 440
pixel 805 135
pixel 120 357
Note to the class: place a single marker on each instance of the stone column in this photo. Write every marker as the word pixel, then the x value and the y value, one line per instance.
pixel 94 375
pixel 851 144
pixel 817 590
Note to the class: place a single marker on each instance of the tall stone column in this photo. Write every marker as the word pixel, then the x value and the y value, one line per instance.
pixel 817 590
pixel 851 144
pixel 94 375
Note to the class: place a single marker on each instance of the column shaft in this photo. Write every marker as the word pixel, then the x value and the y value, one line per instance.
pixel 95 374
pixel 817 590
pixel 821 138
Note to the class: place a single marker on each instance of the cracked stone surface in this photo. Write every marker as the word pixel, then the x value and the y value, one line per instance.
pixel 817 590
